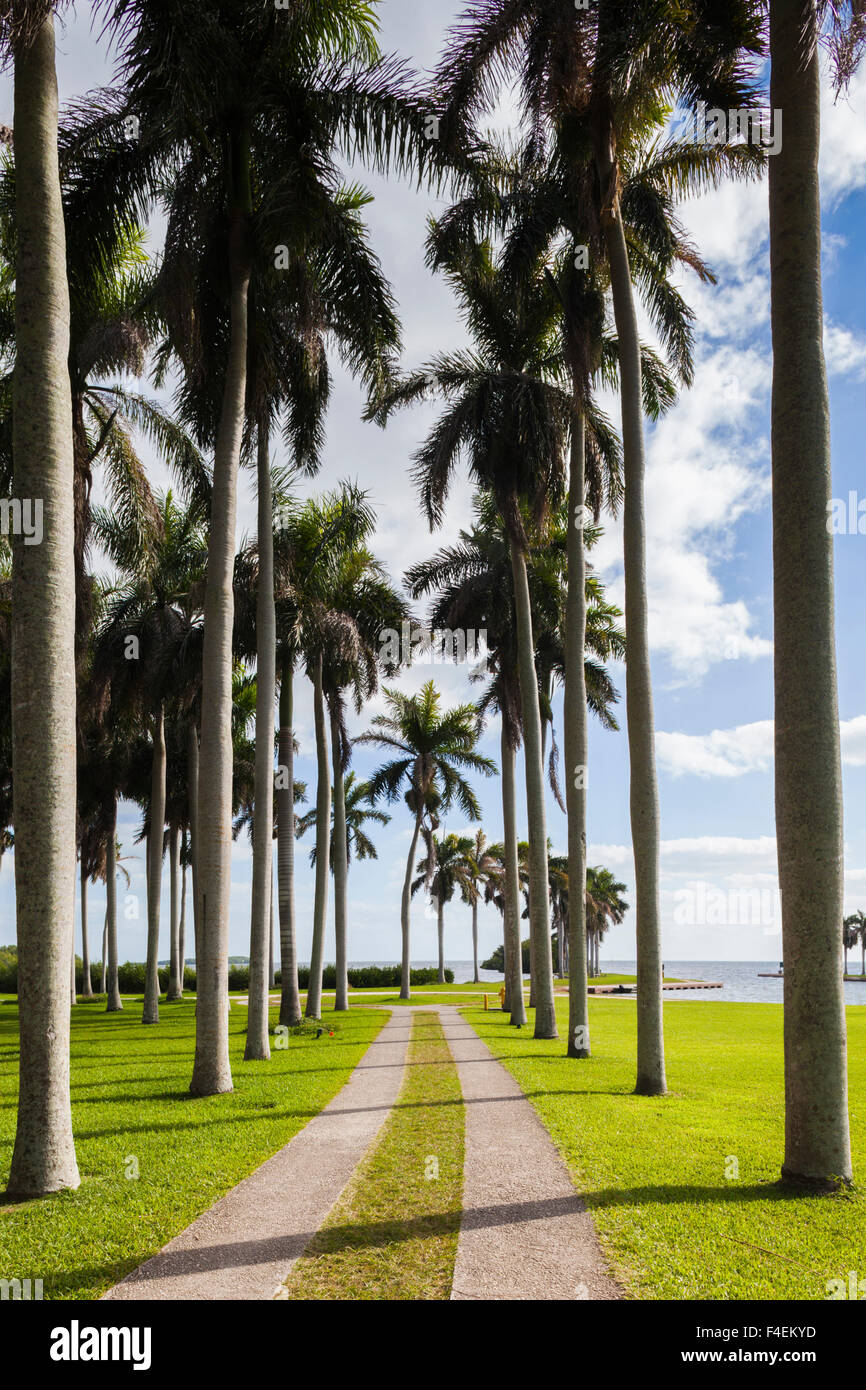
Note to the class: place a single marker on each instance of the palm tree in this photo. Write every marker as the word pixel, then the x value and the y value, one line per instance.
pixel 154 608
pixel 809 827
pixel 43 620
pixel 433 749
pixel 332 595
pixel 369 606
pixel 445 868
pixel 559 914
pixel 300 83
pixel 359 810
pixel 472 579
pixel 293 311
pixel 850 936
pixel 605 906
pixel 600 81
pixel 857 923
pixel 483 874
pixel 507 414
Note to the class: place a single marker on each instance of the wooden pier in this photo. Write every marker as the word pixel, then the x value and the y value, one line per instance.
pixel 679 984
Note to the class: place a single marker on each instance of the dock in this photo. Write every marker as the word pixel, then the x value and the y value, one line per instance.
pixel 680 984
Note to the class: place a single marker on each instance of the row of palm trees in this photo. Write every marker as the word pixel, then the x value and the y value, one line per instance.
pixel 552 241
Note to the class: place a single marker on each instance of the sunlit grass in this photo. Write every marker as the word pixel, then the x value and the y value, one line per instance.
pixel 393 1234
pixel 683 1190
pixel 132 1114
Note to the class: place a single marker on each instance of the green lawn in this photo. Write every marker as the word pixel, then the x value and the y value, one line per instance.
pixel 393 1234
pixel 657 1174
pixel 132 1113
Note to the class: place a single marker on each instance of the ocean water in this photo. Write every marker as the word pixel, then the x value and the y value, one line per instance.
pixel 740 979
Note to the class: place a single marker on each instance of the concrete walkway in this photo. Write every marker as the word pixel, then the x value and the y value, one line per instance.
pixel 525 1233
pixel 244 1246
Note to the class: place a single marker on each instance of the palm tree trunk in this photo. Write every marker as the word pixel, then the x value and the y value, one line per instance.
pixel 533 993
pixel 576 743
pixel 86 982
pixel 150 1013
pixel 644 803
pixel 440 936
pixel 290 1001
pixel 506 965
pixel 341 868
pixel 113 1002
pixel 43 639
pixel 211 1070
pixel 862 951
pixel 181 930
pixel 808 764
pixel 257 1045
pixel 271 967
pixel 323 846
pixel 175 973
pixel 192 769
pixel 514 951
pixel 212 1073
pixel 539 907
pixel 405 906
pixel 73 997
pixel 476 979
pixel 104 972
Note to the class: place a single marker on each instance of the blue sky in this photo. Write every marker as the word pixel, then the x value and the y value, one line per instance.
pixel 709 570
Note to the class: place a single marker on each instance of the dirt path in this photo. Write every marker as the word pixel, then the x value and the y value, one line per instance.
pixel 244 1246
pixel 525 1233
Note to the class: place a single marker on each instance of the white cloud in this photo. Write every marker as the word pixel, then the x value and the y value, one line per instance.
pixel 845 351
pixel 746 748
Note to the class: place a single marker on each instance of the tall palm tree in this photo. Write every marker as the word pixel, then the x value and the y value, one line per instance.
pixel 154 608
pixel 304 81
pixel 507 413
pixel 809 827
pixel 333 590
pixel 483 875
pixel 434 750
pixel 850 937
pixel 857 922
pixel 43 620
pixel 472 580
pixel 605 906
pixel 445 869
pixel 368 606
pixel 600 79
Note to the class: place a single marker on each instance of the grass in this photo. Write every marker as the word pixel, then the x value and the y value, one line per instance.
pixel 366 1001
pixel 393 1233
pixel 683 1190
pixel 132 1114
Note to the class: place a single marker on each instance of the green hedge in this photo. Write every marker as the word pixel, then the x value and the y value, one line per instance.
pixel 131 976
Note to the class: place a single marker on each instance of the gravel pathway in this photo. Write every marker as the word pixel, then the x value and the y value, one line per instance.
pixel 525 1233
pixel 244 1246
